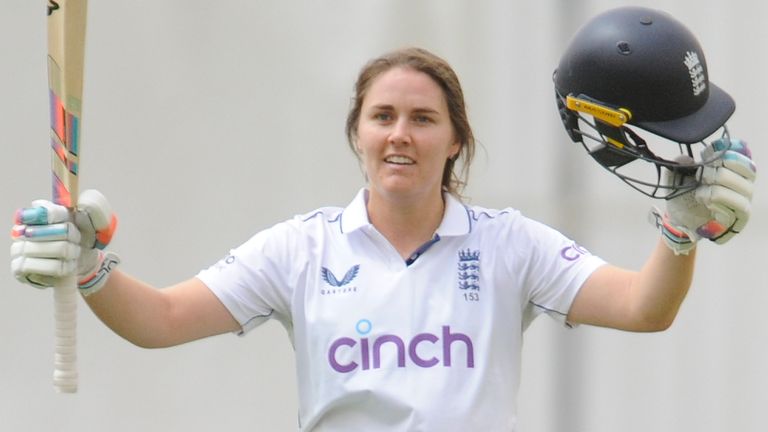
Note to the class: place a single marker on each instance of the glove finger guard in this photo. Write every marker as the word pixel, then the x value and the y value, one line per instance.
pixel 47 245
pixel 720 206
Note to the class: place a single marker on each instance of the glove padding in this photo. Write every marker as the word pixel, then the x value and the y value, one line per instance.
pixel 49 243
pixel 719 207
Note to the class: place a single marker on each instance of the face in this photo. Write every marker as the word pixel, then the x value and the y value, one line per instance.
pixel 405 135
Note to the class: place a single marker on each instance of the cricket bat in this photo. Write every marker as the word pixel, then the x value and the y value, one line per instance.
pixel 66 52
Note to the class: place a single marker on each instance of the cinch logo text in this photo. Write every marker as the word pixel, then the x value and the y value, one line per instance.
pixel 573 252
pixel 423 350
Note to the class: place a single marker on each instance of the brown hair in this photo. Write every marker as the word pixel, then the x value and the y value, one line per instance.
pixel 441 72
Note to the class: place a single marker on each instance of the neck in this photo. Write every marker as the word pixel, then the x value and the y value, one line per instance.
pixel 406 224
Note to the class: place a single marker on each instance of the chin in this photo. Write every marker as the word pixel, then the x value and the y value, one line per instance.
pixel 401 190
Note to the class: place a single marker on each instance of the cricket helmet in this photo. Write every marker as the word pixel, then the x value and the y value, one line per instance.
pixel 636 68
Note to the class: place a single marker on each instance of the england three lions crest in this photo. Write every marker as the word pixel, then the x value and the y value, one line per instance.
pixel 469 270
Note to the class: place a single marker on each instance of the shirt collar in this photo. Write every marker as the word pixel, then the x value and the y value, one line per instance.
pixel 355 215
pixel 455 220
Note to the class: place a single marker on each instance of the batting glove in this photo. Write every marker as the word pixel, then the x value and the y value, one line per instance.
pixel 719 207
pixel 48 244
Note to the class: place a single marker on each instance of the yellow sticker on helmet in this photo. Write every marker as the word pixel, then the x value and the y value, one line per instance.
pixel 612 116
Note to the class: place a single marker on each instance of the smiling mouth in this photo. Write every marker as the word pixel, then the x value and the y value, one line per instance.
pixel 399 160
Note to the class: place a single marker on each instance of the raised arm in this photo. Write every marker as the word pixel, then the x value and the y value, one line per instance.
pixel 648 300
pixel 156 318
pixel 642 301
pixel 48 246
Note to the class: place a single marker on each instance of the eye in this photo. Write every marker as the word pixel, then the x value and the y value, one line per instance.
pixel 422 119
pixel 382 116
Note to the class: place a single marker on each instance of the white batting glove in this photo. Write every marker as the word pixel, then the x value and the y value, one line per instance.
pixel 48 245
pixel 719 207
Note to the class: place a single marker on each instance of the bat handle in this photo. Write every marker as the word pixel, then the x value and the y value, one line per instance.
pixel 65 297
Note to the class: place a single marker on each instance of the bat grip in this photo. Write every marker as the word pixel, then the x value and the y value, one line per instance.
pixel 65 297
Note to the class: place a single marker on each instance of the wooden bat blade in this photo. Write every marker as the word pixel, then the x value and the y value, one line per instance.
pixel 66 54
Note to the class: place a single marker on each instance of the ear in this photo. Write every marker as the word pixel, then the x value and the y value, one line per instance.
pixel 356 146
pixel 456 149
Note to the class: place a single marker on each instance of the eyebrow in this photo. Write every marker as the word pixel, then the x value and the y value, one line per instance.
pixel 389 107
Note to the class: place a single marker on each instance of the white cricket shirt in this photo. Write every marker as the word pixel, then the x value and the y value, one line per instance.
pixel 382 344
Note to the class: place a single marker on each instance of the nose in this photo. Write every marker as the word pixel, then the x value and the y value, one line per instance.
pixel 400 133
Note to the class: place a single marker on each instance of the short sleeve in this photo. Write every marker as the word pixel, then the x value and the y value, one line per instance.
pixel 556 268
pixel 254 280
